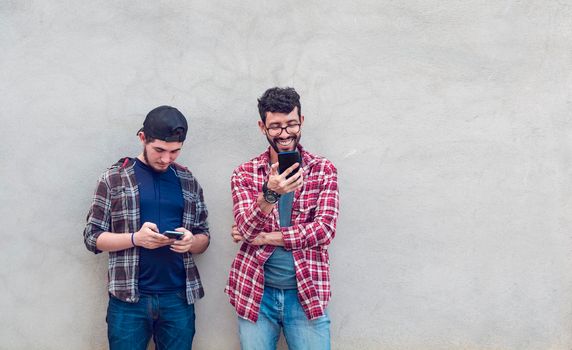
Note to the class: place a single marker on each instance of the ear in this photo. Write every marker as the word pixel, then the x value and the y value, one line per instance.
pixel 301 120
pixel 262 127
pixel 142 137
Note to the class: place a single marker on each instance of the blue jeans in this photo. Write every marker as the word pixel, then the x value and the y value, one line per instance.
pixel 166 317
pixel 281 310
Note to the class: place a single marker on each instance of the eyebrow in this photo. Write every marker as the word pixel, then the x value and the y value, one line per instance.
pixel 290 122
pixel 160 149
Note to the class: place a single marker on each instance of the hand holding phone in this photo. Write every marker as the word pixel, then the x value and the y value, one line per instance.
pixel 290 163
pixel 174 234
pixel 286 160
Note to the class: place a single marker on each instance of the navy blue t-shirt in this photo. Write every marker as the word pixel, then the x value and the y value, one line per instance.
pixel 161 201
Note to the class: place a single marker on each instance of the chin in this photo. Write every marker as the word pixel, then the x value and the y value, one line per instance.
pixel 287 149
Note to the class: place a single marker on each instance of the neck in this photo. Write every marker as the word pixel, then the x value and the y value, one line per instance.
pixel 142 158
pixel 273 156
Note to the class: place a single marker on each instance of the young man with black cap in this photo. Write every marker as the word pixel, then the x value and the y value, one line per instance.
pixel 153 280
pixel 279 280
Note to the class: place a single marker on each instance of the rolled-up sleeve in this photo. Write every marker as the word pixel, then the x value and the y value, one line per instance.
pixel 248 216
pixel 99 216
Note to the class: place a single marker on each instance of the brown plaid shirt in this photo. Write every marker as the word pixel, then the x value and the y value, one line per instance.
pixel 115 208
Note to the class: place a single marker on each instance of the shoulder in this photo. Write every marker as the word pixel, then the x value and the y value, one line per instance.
pixel 112 176
pixel 252 166
pixel 319 163
pixel 182 171
pixel 188 180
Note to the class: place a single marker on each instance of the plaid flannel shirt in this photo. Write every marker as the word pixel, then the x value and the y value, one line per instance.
pixel 115 208
pixel 314 216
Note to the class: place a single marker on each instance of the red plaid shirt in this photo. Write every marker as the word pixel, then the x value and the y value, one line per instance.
pixel 314 216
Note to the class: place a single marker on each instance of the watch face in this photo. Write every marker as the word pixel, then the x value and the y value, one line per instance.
pixel 270 197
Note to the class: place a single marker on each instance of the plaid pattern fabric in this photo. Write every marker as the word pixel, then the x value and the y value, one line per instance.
pixel 314 216
pixel 115 208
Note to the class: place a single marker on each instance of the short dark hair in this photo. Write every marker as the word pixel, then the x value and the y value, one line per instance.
pixel 281 100
pixel 149 139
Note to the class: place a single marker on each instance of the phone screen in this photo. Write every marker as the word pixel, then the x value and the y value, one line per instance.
pixel 286 160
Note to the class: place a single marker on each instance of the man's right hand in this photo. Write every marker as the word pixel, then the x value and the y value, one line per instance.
pixel 149 237
pixel 280 184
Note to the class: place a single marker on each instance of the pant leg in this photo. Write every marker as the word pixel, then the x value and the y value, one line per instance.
pixel 264 334
pixel 299 331
pixel 129 325
pixel 174 327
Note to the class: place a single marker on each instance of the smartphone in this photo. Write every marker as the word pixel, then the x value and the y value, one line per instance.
pixel 286 160
pixel 174 234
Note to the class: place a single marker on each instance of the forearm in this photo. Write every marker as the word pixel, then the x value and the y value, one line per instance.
pixel 274 238
pixel 251 219
pixel 310 235
pixel 200 243
pixel 113 242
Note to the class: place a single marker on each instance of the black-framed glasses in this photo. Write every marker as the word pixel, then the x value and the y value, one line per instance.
pixel 291 129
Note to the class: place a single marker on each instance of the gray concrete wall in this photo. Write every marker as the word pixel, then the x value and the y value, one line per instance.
pixel 449 122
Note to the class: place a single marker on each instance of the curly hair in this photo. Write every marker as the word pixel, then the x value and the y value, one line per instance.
pixel 281 100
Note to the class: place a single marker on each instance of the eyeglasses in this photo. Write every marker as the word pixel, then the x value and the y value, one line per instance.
pixel 291 129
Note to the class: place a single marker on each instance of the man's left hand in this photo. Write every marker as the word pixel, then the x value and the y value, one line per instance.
pixel 184 244
pixel 270 238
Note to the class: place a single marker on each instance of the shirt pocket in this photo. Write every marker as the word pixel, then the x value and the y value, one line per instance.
pixel 304 209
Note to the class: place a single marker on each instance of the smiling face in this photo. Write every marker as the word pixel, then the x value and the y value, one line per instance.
pixel 282 130
pixel 158 154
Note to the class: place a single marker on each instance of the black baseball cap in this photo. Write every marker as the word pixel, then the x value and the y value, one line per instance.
pixel 165 123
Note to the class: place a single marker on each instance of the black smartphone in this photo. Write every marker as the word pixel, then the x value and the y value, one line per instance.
pixel 286 160
pixel 174 234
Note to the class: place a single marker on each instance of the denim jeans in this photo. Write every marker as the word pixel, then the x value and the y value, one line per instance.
pixel 166 317
pixel 281 310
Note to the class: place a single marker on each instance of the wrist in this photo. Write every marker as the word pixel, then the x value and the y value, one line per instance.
pixel 133 240
pixel 269 196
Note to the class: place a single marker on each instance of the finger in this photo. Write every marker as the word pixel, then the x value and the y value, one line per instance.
pixel 290 169
pixel 152 226
pixel 160 237
pixel 177 249
pixel 181 246
pixel 294 178
pixel 292 183
pixel 274 169
pixel 300 180
pixel 187 237
pixel 181 243
pixel 149 231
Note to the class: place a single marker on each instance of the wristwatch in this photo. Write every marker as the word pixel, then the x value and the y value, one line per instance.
pixel 269 195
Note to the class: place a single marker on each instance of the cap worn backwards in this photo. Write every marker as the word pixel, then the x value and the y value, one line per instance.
pixel 165 123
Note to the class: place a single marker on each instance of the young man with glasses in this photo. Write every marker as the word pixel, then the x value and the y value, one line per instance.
pixel 279 280
pixel 153 279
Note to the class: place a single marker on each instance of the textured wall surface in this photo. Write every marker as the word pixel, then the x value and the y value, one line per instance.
pixel 449 122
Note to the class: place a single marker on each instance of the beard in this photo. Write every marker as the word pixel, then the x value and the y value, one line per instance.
pixel 274 142
pixel 150 165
